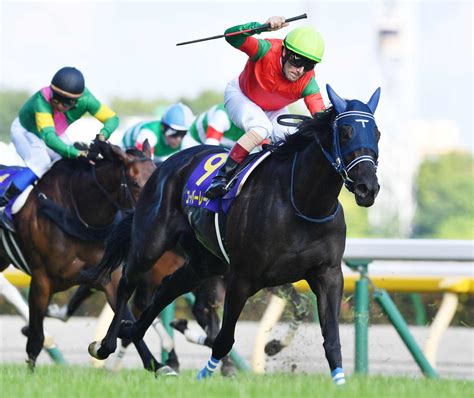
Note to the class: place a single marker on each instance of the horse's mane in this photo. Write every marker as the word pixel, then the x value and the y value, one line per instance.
pixel 309 130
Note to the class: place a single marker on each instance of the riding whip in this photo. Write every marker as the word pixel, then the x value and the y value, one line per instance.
pixel 254 30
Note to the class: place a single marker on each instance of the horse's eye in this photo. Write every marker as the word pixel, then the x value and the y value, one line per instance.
pixel 346 133
pixel 135 184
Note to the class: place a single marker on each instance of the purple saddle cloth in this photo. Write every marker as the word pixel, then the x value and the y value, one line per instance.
pixel 201 177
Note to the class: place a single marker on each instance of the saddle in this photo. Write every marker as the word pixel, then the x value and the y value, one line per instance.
pixel 200 209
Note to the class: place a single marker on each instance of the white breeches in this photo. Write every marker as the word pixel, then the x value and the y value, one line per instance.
pixel 33 150
pixel 247 115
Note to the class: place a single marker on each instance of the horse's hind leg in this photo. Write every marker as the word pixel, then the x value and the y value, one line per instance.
pixel 208 299
pixel 40 292
pixel 328 287
pixel 237 293
pixel 181 281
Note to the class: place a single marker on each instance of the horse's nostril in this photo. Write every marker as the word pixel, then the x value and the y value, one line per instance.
pixel 361 190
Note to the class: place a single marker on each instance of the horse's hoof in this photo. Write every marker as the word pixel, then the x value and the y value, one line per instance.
pixel 125 330
pixel 338 377
pixel 205 373
pixel 166 371
pixel 273 347
pixel 173 364
pixel 96 350
pixel 31 364
pixel 228 370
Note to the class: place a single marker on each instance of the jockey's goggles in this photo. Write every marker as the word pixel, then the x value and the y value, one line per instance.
pixel 297 61
pixel 169 132
pixel 65 101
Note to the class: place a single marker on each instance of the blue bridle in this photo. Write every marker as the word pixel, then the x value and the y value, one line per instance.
pixel 363 137
pixel 360 117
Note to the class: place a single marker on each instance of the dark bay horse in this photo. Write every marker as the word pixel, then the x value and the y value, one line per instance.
pixel 93 193
pixel 286 225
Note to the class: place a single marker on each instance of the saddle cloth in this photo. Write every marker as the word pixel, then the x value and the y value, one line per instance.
pixel 200 209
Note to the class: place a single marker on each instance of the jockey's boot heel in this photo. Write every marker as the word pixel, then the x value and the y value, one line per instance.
pixel 219 185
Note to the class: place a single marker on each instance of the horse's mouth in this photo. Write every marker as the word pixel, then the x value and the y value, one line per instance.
pixel 366 201
pixel 365 197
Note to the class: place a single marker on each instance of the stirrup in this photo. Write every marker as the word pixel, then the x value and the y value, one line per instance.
pixel 216 191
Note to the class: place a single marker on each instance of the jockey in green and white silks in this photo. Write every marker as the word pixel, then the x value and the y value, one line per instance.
pixel 38 132
pixel 165 136
pixel 213 127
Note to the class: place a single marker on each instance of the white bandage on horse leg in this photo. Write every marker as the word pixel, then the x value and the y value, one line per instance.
pixel 12 294
pixel 166 341
pixel 250 140
pixel 194 336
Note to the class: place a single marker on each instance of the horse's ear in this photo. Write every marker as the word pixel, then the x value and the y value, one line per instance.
pixel 146 149
pixel 340 104
pixel 374 100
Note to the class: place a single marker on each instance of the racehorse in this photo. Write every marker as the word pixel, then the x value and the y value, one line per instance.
pixel 285 225
pixel 87 196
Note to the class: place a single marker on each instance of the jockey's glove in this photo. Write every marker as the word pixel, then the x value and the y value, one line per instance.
pixel 100 137
pixel 83 154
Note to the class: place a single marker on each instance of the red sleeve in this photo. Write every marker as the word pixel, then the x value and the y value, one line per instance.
pixel 250 46
pixel 314 103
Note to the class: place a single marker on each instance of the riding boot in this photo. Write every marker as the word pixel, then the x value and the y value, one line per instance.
pixel 10 193
pixel 219 185
pixel 21 181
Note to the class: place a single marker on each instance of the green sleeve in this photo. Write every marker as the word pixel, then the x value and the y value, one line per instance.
pixel 57 145
pixel 237 40
pixel 311 88
pixel 110 126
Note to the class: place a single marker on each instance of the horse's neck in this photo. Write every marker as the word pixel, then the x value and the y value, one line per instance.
pixel 316 185
pixel 89 197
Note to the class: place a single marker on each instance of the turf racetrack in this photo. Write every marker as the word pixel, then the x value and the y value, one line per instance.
pixel 74 381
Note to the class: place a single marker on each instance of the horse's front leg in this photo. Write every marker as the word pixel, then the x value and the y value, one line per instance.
pixel 237 293
pixel 328 287
pixel 108 345
pixel 40 293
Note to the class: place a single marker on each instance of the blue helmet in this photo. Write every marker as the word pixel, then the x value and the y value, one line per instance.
pixel 178 117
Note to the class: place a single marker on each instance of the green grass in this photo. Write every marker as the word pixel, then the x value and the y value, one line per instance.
pixel 74 381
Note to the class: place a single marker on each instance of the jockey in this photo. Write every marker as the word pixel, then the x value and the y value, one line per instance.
pixel 38 132
pixel 213 127
pixel 165 136
pixel 277 73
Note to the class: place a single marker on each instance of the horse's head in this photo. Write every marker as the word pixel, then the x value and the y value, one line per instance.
pixel 355 145
pixel 137 167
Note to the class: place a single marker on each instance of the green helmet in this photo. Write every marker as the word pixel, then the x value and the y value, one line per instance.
pixel 306 42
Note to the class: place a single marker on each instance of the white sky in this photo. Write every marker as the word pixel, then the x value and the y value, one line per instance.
pixel 128 48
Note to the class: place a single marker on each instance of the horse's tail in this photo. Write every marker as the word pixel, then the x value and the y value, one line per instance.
pixel 117 246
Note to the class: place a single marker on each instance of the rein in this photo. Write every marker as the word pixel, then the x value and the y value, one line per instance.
pixel 297 211
pixel 125 190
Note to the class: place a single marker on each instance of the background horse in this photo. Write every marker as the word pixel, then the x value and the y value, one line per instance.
pixel 91 194
pixel 286 225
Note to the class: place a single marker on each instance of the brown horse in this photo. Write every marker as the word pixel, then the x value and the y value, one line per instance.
pixel 85 197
